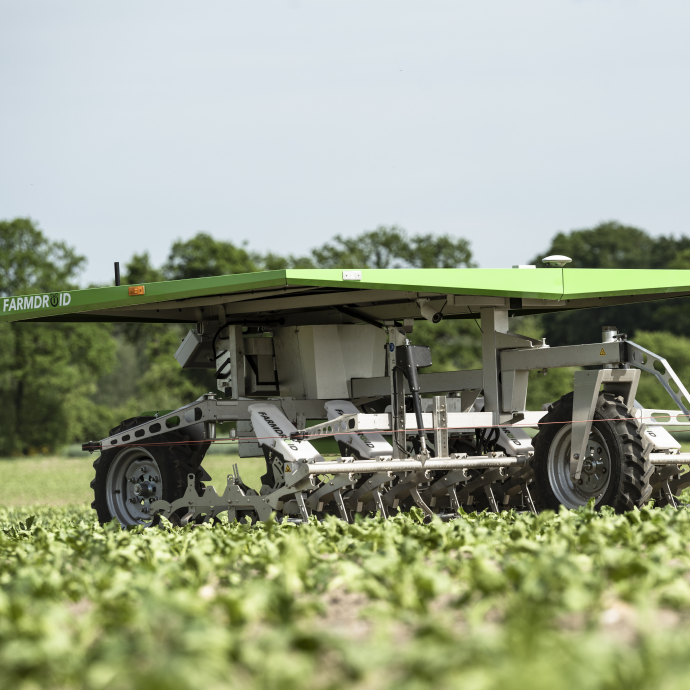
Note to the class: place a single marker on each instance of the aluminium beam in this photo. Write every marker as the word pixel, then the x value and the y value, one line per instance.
pixel 592 354
pixel 660 459
pixel 439 382
pixel 430 464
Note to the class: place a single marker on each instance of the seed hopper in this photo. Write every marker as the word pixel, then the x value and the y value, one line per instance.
pixel 305 355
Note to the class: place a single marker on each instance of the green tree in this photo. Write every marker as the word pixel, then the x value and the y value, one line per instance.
pixel 391 247
pixel 203 256
pixel 613 245
pixel 28 261
pixel 48 371
pixel 676 350
pixel 140 270
pixel 148 377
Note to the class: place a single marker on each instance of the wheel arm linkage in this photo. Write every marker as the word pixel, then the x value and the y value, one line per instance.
pixel 621 382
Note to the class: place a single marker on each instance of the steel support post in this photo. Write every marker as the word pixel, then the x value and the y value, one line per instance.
pixel 493 321
pixel 586 392
pixel 440 417
pixel 395 338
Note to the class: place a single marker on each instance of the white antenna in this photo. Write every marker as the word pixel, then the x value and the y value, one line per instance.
pixel 556 261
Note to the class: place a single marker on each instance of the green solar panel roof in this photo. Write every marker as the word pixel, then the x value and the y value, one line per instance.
pixel 315 295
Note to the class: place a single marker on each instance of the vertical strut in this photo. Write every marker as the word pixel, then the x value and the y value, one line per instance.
pixel 528 498
pixel 492 499
pixel 338 498
pixel 299 497
pixel 420 502
pixel 669 494
pixel 376 493
pixel 453 495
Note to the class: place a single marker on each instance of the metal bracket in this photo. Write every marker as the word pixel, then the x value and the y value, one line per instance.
pixel 211 504
pixel 338 497
pixel 330 491
pixel 354 497
pixel 440 421
pixel 641 358
pixel 510 340
pixel 299 497
pixel 414 492
pixel 620 381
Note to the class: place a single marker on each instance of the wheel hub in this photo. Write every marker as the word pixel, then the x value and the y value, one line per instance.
pixel 133 484
pixel 144 489
pixel 594 469
pixel 595 474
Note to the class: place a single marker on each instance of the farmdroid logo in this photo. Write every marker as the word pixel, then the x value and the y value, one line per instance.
pixel 54 299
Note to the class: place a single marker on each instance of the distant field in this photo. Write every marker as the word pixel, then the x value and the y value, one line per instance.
pixel 59 481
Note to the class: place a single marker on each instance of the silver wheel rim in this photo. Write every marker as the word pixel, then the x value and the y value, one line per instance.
pixel 596 471
pixel 133 483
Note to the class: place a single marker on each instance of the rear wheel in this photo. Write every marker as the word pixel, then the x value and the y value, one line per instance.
pixel 616 471
pixel 129 479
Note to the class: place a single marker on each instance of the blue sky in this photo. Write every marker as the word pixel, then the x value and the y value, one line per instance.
pixel 125 125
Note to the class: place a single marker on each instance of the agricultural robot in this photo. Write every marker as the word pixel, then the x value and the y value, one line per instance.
pixel 306 355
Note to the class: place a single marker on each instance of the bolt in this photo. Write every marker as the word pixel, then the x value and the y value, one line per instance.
pixel 603 470
pixel 144 469
pixel 156 478
pixel 576 456
pixel 151 500
pixel 599 450
pixel 132 480
pixel 580 481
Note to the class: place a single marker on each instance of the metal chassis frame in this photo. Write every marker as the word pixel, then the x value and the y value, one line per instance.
pixel 507 359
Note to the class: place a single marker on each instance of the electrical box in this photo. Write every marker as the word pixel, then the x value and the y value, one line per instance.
pixel 196 352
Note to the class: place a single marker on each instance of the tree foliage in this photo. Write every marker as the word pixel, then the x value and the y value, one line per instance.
pixel 28 261
pixel 391 247
pixel 384 247
pixel 203 255
pixel 48 371
pixel 613 245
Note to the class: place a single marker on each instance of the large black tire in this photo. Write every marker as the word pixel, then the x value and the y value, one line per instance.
pixel 158 471
pixel 619 473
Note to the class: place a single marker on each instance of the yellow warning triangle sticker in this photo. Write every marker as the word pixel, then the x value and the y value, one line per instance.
pixel 602 353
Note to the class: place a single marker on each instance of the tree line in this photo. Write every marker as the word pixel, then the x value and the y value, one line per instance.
pixel 64 383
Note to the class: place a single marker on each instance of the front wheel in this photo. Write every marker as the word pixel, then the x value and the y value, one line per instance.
pixel 616 471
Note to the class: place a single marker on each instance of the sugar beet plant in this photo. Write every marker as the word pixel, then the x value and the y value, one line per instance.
pixel 575 599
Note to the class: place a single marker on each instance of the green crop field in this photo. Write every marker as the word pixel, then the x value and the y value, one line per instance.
pixel 574 600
